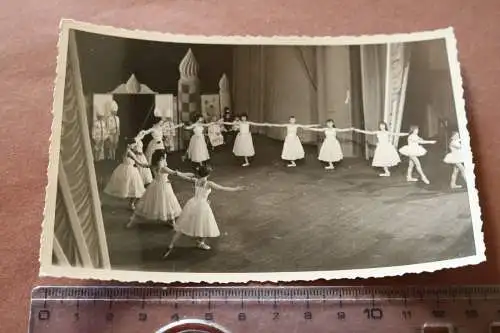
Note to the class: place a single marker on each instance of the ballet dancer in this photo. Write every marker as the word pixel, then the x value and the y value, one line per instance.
pixel 197 150
pixel 292 147
pixel 455 158
pixel 159 202
pixel 197 219
pixel 156 142
pixel 145 172
pixel 385 155
pixel 243 144
pixel 169 129
pixel 126 181
pixel 414 150
pixel 331 150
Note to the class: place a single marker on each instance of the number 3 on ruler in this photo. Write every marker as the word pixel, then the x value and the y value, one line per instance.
pixel 374 313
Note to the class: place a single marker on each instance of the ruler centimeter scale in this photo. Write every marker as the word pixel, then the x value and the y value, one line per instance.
pixel 460 309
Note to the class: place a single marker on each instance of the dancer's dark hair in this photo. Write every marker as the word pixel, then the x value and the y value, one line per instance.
pixel 385 125
pixel 330 120
pixel 203 171
pixel 158 155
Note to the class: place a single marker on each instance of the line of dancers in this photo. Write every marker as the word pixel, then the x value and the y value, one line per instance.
pixel 145 181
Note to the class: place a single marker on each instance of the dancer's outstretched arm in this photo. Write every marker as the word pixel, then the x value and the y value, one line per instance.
pixel 270 125
pixel 308 126
pixel 314 129
pixel 216 186
pixel 139 163
pixel 178 126
pixel 399 134
pixel 344 129
pixel 364 131
pixel 427 142
pixel 184 175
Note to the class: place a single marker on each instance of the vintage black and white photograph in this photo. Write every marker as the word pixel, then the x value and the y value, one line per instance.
pixel 229 159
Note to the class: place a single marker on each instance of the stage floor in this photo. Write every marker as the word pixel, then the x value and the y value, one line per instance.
pixel 304 218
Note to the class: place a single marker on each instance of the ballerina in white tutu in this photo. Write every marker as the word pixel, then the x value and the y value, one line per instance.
pixel 126 181
pixel 243 144
pixel 145 172
pixel 292 147
pixel 197 219
pixel 159 202
pixel 331 150
pixel 455 158
pixel 414 150
pixel 385 155
pixel 197 150
pixel 156 142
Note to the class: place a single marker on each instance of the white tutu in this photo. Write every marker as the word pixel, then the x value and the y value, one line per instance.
pixel 454 157
pixel 385 155
pixel 413 150
pixel 330 150
pixel 146 175
pixel 125 182
pixel 153 146
pixel 243 145
pixel 159 201
pixel 292 149
pixel 197 150
pixel 197 219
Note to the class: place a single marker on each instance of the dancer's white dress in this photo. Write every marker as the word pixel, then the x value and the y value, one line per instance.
pixel 243 144
pixel 292 147
pixel 156 142
pixel 385 154
pixel 215 135
pixel 330 150
pixel 455 155
pixel 159 202
pixel 413 148
pixel 146 175
pixel 197 150
pixel 126 181
pixel 197 218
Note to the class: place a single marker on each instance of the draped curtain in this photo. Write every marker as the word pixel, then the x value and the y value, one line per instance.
pixel 384 71
pixel 79 235
pixel 373 63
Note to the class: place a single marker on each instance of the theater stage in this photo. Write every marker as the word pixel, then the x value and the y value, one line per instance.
pixel 305 218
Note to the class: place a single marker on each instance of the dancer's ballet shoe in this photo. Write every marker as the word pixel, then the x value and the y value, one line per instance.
pixel 455 186
pixel 426 181
pixel 385 175
pixel 245 164
pixel 203 246
pixel 169 251
pixel 411 179
pixel 329 168
pixel 291 165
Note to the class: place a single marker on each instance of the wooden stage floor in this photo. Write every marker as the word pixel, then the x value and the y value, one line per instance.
pixel 305 218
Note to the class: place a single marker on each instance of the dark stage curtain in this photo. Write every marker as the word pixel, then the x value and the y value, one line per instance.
pixel 136 113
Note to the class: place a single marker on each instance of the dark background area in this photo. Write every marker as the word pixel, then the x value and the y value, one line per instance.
pixel 106 62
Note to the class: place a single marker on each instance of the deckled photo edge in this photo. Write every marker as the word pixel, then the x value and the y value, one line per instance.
pixel 47 235
pixel 470 165
pixel 48 269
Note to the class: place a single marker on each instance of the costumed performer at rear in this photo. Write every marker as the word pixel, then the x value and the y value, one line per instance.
pixel 169 133
pixel 113 125
pixel 331 150
pixel 292 147
pixel 159 202
pixel 197 219
pixel 99 137
pixel 215 130
pixel 385 155
pixel 197 150
pixel 455 157
pixel 243 144
pixel 414 150
pixel 126 181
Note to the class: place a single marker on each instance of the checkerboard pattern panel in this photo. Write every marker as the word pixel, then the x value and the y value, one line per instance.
pixel 188 104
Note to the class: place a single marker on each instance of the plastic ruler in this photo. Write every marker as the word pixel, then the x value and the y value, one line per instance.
pixel 461 309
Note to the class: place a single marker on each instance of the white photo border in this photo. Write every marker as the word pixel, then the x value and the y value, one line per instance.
pixel 47 268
